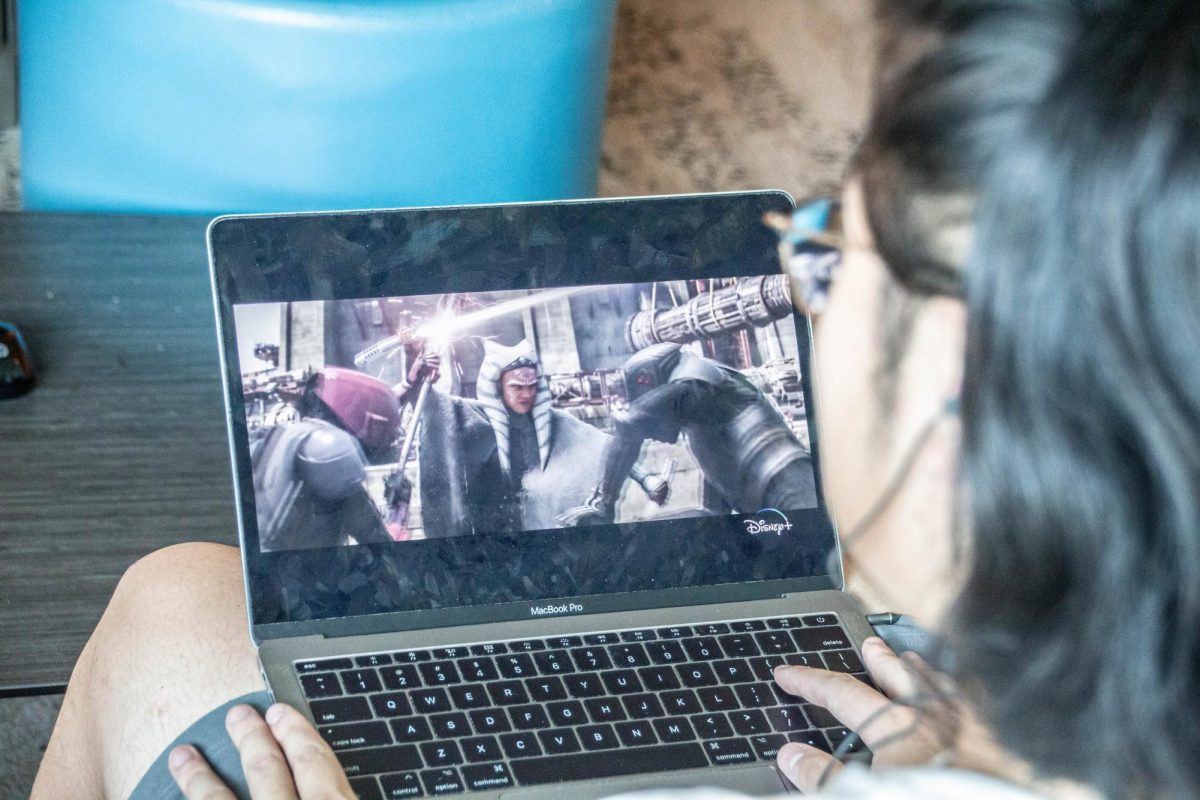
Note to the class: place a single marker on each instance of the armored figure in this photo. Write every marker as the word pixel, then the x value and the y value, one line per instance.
pixel 748 453
pixel 309 475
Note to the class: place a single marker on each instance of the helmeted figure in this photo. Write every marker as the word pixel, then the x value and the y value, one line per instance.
pixel 309 475
pixel 745 448
pixel 506 461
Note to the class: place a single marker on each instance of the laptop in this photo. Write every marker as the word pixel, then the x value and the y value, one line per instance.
pixel 529 495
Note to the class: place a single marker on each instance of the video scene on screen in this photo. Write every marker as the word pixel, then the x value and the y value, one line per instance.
pixel 399 419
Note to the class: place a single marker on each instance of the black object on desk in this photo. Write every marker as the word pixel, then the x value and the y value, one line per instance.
pixel 16 364
pixel 121 448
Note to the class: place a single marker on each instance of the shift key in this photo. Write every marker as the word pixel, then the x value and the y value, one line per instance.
pixel 380 759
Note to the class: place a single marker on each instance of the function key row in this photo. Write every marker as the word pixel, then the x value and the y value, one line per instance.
pixel 566 642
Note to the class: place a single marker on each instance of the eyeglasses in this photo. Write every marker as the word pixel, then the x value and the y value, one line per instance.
pixel 810 250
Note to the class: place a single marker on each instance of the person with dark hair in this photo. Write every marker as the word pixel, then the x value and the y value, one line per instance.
pixel 1009 397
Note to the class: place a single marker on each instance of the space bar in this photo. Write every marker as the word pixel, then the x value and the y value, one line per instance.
pixel 609 763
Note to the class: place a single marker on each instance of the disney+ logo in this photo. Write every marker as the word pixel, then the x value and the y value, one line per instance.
pixel 770 524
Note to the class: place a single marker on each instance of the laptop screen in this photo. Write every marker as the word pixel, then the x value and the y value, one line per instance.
pixel 506 411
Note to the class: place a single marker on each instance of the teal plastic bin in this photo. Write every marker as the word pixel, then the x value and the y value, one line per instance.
pixel 251 105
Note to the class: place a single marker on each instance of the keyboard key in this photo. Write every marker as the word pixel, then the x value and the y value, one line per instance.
pixel 728 751
pixel 695 675
pixel 411 656
pixel 675 632
pixel 440 673
pixel 372 761
pixel 812 739
pixel 517 745
pixel 767 746
pixel 817 620
pixel 784 623
pixel 764 667
pixel 733 671
pixel 712 629
pixel 361 681
pixel 564 642
pixel 604 709
pixel 489 649
pixel 481 748
pixel 441 754
pixel 567 712
pixel 591 658
pixel 430 701
pixel 839 735
pixel 528 718
pixel 553 662
pixel 643 706
pixel 411 729
pixel 342 709
pixel 490 721
pixel 683 701
pixel 821 717
pixel 441 781
pixel 526 646
pixel 804 660
pixel 508 693
pixel 667 651
pixel 357 734
pixel 828 638
pixel 787 719
pixel 325 684
pixel 478 669
pixel 674 729
pixel 487 776
pixel 326 665
pixel 469 695
pixel 450 726
pixel 598 737
pixel 403 676
pixel 659 679
pixel 843 661
pixel 633 734
pixel 516 666
pixel 583 685
pixel 401 785
pixel 391 704
pixel 601 638
pixel 545 689
pixel 717 698
pixel 754 695
pixel 373 660
pixel 559 741
pixel 737 645
pixel 629 655
pixel 748 626
pixel 444 653
pixel 712 726
pixel 621 681
pixel 749 723
pixel 366 788
pixel 609 763
pixel 704 648
pixel 775 642
pixel 644 635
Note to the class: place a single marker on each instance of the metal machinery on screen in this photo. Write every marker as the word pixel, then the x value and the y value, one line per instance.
pixel 405 418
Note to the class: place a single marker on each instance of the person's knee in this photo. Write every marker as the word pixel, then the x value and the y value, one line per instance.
pixel 191 575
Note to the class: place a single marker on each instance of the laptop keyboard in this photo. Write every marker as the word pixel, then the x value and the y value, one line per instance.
pixel 526 712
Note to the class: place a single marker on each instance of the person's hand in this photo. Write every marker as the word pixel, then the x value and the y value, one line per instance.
pixel 424 365
pixel 283 757
pixel 910 723
pixel 658 490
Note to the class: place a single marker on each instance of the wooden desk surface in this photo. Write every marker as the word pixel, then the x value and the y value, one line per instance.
pixel 121 448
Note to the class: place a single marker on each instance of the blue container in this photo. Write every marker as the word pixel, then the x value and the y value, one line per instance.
pixel 271 105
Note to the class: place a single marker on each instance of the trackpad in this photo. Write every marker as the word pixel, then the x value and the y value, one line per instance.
pixel 752 780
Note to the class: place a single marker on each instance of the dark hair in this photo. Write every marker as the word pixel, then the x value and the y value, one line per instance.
pixel 1072 128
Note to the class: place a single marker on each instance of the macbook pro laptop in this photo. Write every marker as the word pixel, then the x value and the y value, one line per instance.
pixel 529 495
